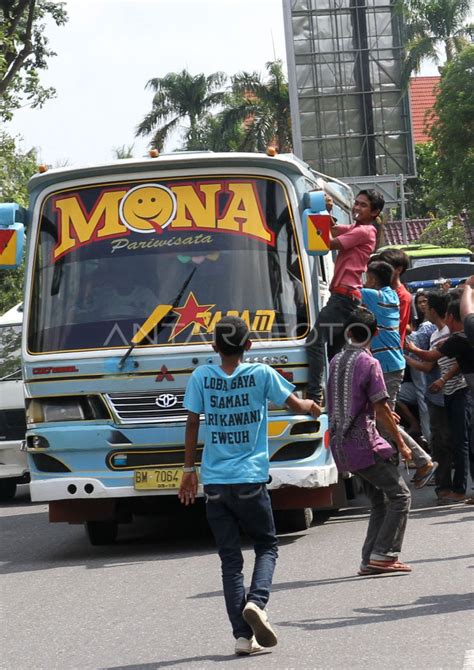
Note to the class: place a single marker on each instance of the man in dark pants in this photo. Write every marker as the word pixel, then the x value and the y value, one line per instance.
pixel 234 471
pixel 354 244
pixel 356 392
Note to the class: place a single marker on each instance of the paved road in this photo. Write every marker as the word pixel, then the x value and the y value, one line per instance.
pixel 154 599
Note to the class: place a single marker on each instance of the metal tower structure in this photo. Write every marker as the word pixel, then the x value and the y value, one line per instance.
pixel 350 116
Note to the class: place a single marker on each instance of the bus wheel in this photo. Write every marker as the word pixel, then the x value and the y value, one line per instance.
pixel 7 489
pixel 101 532
pixel 293 520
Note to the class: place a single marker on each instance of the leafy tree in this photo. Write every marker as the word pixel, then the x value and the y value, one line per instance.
pixel 16 168
pixel 425 193
pixel 180 96
pixel 261 108
pixel 453 132
pixel 25 51
pixel 446 232
pixel 430 24
pixel 123 152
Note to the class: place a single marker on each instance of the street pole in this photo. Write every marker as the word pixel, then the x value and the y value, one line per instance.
pixel 402 211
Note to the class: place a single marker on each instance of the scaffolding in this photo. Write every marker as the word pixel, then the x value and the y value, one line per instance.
pixel 350 116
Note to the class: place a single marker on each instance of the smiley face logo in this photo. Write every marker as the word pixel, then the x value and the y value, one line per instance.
pixel 148 209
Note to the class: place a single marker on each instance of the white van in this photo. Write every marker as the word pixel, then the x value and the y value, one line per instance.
pixel 13 464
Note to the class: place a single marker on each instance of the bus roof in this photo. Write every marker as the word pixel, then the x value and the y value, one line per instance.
pixel 428 250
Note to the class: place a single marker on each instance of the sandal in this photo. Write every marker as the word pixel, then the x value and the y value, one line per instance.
pixel 389 566
pixel 422 481
pixel 364 570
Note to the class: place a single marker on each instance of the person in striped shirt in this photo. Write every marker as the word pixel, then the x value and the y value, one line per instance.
pixel 457 398
pixel 383 302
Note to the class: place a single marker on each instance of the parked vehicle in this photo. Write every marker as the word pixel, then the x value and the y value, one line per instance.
pixel 13 462
pixel 130 265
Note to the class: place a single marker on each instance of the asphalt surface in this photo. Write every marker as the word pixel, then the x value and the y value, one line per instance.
pixel 154 599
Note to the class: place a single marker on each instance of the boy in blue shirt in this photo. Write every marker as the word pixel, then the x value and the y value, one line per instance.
pixel 234 472
pixel 383 302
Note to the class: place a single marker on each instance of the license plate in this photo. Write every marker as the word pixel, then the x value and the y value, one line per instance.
pixel 160 478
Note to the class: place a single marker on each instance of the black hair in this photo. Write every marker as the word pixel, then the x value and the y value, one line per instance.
pixel 231 335
pixel 382 271
pixel 419 294
pixel 375 198
pixel 396 257
pixel 438 301
pixel 454 308
pixel 362 325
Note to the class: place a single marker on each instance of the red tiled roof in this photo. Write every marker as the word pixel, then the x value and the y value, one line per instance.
pixel 393 231
pixel 422 99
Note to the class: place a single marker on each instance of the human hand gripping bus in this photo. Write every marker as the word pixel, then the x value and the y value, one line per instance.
pixel 235 469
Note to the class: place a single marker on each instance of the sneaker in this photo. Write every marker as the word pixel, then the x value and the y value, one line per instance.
pixel 244 647
pixel 257 619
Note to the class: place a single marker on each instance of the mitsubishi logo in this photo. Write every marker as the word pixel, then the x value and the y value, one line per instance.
pixel 164 374
pixel 166 400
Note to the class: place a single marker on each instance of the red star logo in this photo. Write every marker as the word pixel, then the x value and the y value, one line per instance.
pixel 192 312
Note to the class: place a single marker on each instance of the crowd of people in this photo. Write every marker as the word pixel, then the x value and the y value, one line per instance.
pixel 400 387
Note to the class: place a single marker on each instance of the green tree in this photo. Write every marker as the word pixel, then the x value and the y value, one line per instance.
pixel 453 131
pixel 16 168
pixel 446 232
pixel 261 108
pixel 180 96
pixel 120 153
pixel 425 192
pixel 24 51
pixel 431 24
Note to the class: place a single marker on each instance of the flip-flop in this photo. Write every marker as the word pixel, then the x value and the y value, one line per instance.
pixel 389 566
pixel 364 570
pixel 423 481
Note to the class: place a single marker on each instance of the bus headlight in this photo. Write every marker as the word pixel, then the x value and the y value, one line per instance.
pixel 65 408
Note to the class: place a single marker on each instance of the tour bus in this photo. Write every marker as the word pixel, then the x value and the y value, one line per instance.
pixel 129 267
pixel 13 465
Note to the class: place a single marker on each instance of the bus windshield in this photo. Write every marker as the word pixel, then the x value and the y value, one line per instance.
pixel 108 254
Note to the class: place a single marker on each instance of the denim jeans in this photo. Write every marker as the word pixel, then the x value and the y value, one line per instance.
pixel 441 445
pixel 229 508
pixel 328 330
pixel 419 381
pixel 390 504
pixel 458 410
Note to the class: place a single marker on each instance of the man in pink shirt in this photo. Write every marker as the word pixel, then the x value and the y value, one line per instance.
pixel 354 244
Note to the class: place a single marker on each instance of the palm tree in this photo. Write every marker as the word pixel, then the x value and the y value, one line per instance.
pixel 431 24
pixel 261 109
pixel 181 96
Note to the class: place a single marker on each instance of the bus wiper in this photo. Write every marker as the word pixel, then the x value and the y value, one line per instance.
pixel 155 319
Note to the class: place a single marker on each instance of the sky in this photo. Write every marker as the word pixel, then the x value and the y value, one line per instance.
pixel 108 51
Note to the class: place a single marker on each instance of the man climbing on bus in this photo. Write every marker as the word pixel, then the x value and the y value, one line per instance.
pixel 354 244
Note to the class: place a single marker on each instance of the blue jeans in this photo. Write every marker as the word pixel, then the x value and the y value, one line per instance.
pixel 229 508
pixel 328 330
pixel 390 504
pixel 458 410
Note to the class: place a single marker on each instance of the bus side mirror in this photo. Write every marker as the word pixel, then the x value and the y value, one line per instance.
pixel 12 235
pixel 316 224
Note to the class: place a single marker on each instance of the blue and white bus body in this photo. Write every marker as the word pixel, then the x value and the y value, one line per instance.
pixel 96 418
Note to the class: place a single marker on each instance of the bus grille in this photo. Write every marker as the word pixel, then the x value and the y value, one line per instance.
pixel 148 407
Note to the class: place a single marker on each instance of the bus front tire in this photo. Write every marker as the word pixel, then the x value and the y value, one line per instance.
pixel 293 520
pixel 7 489
pixel 101 533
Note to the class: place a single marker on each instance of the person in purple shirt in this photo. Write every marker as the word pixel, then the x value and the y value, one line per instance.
pixel 356 393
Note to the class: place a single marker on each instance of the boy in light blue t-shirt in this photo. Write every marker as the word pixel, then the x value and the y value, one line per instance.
pixel 234 471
